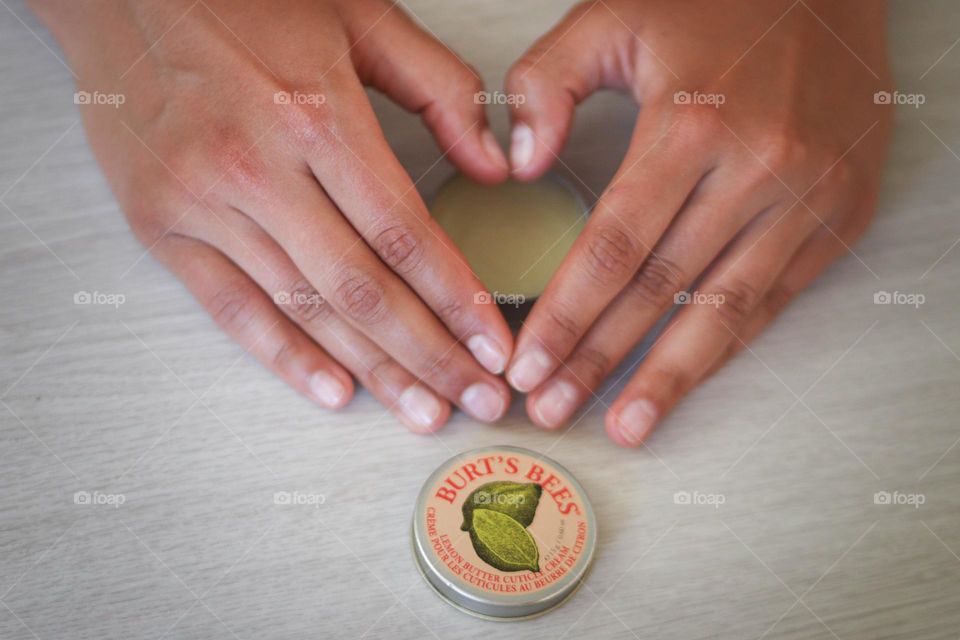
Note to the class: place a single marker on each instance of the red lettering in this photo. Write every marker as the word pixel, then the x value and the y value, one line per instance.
pixel 446 494
pixel 486 464
pixel 535 473
pixel 551 479
pixel 454 484
pixel 472 473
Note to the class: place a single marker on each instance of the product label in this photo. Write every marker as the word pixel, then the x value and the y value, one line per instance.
pixel 505 522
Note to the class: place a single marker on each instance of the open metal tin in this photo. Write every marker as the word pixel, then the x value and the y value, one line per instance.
pixel 514 304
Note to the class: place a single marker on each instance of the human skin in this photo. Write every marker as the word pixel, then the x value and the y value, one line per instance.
pixel 248 160
pixel 751 199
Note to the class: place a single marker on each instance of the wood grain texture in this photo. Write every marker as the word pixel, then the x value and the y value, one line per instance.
pixel 152 402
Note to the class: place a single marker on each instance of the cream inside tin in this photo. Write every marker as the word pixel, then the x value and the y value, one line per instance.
pixel 514 235
pixel 503 533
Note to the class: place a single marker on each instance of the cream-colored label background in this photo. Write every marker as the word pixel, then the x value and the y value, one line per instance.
pixel 561 538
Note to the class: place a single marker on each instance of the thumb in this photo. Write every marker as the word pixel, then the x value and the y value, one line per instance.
pixel 577 57
pixel 424 76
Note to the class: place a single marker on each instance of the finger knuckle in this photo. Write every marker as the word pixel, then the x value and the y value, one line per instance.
pixel 737 300
pixel 451 313
pixel 222 160
pixel 377 371
pixel 656 282
pixel 241 169
pixel 441 367
pixel 521 71
pixel 782 149
pixel 544 60
pixel 231 308
pixel 611 254
pixel 560 318
pixel 310 126
pixel 361 298
pixel 592 366
pixel 400 248
pixel 282 356
pixel 306 303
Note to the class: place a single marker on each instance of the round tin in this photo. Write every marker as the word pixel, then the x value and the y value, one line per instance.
pixel 535 514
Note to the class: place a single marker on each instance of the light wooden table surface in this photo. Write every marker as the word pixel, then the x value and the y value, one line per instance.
pixel 841 399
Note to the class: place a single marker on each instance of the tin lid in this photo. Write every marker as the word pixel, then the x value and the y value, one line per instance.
pixel 503 533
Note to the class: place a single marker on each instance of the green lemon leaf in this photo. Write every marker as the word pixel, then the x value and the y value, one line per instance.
pixel 519 501
pixel 502 542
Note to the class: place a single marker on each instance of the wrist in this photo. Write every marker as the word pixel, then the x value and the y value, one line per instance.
pixel 72 23
pixel 126 28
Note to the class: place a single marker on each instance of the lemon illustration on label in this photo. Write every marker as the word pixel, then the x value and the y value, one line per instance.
pixel 515 499
pixel 502 542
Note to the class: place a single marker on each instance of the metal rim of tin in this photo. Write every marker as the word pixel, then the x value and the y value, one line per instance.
pixel 492 606
pixel 515 314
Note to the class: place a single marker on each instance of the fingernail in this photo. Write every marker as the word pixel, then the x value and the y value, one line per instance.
pixel 556 404
pixel 327 389
pixel 521 146
pixel 487 353
pixel 530 370
pixel 420 407
pixel 492 147
pixel 482 401
pixel 636 420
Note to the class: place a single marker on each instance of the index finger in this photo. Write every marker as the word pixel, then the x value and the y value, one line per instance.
pixel 362 176
pixel 373 299
pixel 661 168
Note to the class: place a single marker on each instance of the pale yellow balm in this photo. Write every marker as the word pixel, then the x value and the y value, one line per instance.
pixel 515 234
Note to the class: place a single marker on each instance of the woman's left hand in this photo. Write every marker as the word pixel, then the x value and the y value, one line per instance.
pixel 754 163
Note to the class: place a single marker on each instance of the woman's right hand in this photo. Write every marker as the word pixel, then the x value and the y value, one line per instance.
pixel 249 161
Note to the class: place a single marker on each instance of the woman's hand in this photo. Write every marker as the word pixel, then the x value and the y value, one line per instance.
pixel 248 160
pixel 754 164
